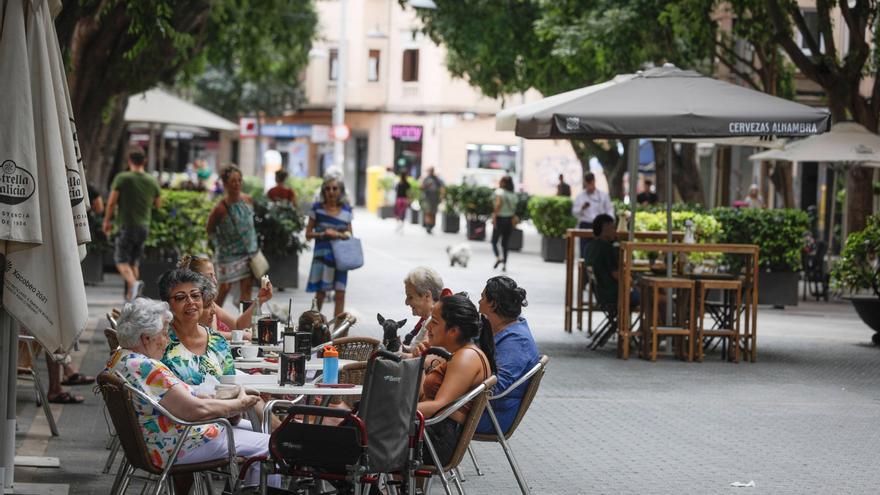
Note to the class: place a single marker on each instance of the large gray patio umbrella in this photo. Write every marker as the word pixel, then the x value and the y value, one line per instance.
pixel 664 102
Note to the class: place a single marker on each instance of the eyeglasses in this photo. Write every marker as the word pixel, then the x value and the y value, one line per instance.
pixel 331 188
pixel 194 296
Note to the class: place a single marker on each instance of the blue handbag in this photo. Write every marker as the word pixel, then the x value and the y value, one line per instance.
pixel 348 253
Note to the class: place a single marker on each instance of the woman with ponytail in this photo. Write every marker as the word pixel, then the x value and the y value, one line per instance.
pixel 516 353
pixel 455 325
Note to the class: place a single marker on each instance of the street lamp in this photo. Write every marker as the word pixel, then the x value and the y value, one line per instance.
pixel 339 110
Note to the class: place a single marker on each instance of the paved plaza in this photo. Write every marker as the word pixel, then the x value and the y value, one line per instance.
pixel 803 419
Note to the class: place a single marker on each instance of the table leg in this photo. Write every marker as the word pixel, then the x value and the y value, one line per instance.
pixel 569 262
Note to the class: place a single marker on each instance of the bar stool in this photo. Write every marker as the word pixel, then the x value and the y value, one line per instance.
pixel 727 318
pixel 683 322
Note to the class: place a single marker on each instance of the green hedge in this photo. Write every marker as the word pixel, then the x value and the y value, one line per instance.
pixel 551 215
pixel 779 233
pixel 178 227
pixel 857 268
pixel 278 226
pixel 452 199
pixel 476 202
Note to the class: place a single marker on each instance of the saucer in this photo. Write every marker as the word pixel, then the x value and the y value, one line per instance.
pixel 246 360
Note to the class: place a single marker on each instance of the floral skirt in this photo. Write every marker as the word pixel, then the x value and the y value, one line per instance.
pixel 233 269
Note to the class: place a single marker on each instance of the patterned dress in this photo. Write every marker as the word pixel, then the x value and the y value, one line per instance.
pixel 323 275
pixel 235 241
pixel 155 379
pixel 191 367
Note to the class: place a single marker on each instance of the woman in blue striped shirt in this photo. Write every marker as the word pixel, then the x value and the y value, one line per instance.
pixel 329 219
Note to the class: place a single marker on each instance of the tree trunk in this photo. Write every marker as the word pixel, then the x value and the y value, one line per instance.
pixel 613 163
pixel 859 198
pixel 685 173
pixel 782 181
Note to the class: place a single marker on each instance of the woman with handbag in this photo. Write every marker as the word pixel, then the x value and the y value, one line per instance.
pixel 503 219
pixel 329 220
pixel 232 232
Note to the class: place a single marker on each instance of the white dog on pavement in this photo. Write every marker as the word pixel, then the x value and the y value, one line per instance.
pixel 460 253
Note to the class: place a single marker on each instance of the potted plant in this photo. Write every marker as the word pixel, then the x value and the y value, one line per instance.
pixel 93 263
pixel 522 214
pixel 414 195
pixel 780 235
pixel 278 227
pixel 306 190
pixel 552 217
pixel 476 202
pixel 858 270
pixel 178 227
pixel 451 209
pixel 386 185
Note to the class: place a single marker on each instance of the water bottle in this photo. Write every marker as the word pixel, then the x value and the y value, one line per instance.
pixel 331 364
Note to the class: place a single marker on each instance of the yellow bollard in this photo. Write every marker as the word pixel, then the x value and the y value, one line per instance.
pixel 375 195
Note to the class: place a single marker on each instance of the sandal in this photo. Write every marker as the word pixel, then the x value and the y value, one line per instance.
pixel 65 398
pixel 78 379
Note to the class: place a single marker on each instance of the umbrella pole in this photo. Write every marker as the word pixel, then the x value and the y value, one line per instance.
pixel 8 377
pixel 669 226
pixel 632 156
pixel 831 222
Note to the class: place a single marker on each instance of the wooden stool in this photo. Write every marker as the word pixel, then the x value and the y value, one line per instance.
pixel 730 334
pixel 683 326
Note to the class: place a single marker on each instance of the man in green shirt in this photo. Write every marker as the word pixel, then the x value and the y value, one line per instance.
pixel 603 258
pixel 133 193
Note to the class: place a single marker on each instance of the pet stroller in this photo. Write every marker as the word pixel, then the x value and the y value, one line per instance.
pixel 378 438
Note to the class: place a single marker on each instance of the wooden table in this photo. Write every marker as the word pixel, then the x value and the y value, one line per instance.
pixel 571 235
pixel 750 286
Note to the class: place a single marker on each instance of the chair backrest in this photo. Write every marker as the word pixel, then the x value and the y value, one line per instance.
pixel 528 396
pixel 478 405
pixel 120 404
pixel 112 317
pixel 112 339
pixel 356 348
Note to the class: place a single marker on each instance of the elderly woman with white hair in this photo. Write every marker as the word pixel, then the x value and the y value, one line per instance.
pixel 423 287
pixel 143 336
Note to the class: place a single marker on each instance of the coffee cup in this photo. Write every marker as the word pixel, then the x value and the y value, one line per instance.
pixel 237 335
pixel 249 352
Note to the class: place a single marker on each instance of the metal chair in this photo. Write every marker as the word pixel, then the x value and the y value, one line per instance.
pixel 28 343
pixel 608 326
pixel 119 397
pixel 533 376
pixel 113 444
pixel 478 397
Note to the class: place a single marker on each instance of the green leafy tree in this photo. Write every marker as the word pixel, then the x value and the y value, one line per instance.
pixel 116 48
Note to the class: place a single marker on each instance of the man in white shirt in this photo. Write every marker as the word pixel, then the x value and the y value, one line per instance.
pixel 588 204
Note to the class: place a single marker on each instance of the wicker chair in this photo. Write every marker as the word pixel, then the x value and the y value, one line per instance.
pixel 478 397
pixel 351 373
pixel 533 376
pixel 119 397
pixel 355 348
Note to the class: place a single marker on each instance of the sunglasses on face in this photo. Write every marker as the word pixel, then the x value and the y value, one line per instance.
pixel 181 297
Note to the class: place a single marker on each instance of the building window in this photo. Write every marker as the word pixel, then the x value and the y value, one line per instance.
pixel 334 65
pixel 811 19
pixel 373 66
pixel 494 156
pixel 411 65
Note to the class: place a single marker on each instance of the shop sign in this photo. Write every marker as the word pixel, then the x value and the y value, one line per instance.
pixel 409 133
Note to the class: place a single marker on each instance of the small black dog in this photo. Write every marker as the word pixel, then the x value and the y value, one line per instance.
pixel 390 339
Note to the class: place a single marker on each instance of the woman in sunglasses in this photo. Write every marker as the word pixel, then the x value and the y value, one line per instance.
pixel 329 219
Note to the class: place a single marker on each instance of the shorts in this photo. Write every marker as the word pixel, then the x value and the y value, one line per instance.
pixel 444 437
pixel 128 248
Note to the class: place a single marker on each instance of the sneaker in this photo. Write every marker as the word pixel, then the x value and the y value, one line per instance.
pixel 136 289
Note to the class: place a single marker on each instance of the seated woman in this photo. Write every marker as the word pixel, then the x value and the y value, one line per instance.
pixel 515 350
pixel 214 316
pixel 423 287
pixel 454 325
pixel 143 336
pixel 194 350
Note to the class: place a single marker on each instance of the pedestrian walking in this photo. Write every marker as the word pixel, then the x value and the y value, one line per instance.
pixel 401 201
pixel 502 219
pixel 133 193
pixel 329 219
pixel 233 235
pixel 432 190
pixel 562 188
pixel 588 204
pixel 281 192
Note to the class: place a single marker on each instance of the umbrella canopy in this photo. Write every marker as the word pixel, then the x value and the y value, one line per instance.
pixel 159 107
pixel 667 102
pixel 848 142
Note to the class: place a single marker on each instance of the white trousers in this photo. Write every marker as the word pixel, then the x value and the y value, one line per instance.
pixel 248 443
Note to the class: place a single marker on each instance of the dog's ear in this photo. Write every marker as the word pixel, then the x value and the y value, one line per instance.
pixel 381 320
pixel 401 323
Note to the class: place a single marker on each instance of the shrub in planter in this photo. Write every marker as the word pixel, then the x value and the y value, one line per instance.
pixel 306 189
pixel 414 195
pixel 278 232
pixel 477 205
pixel 522 214
pixel 780 235
pixel 451 209
pixel 858 270
pixel 707 228
pixel 386 185
pixel 552 217
pixel 253 186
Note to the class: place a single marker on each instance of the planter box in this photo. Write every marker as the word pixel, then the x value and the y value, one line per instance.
pixel 868 309
pixel 151 270
pixel 516 240
pixel 386 211
pixel 476 230
pixel 451 223
pixel 284 271
pixel 553 249
pixel 778 288
pixel 414 217
pixel 93 267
